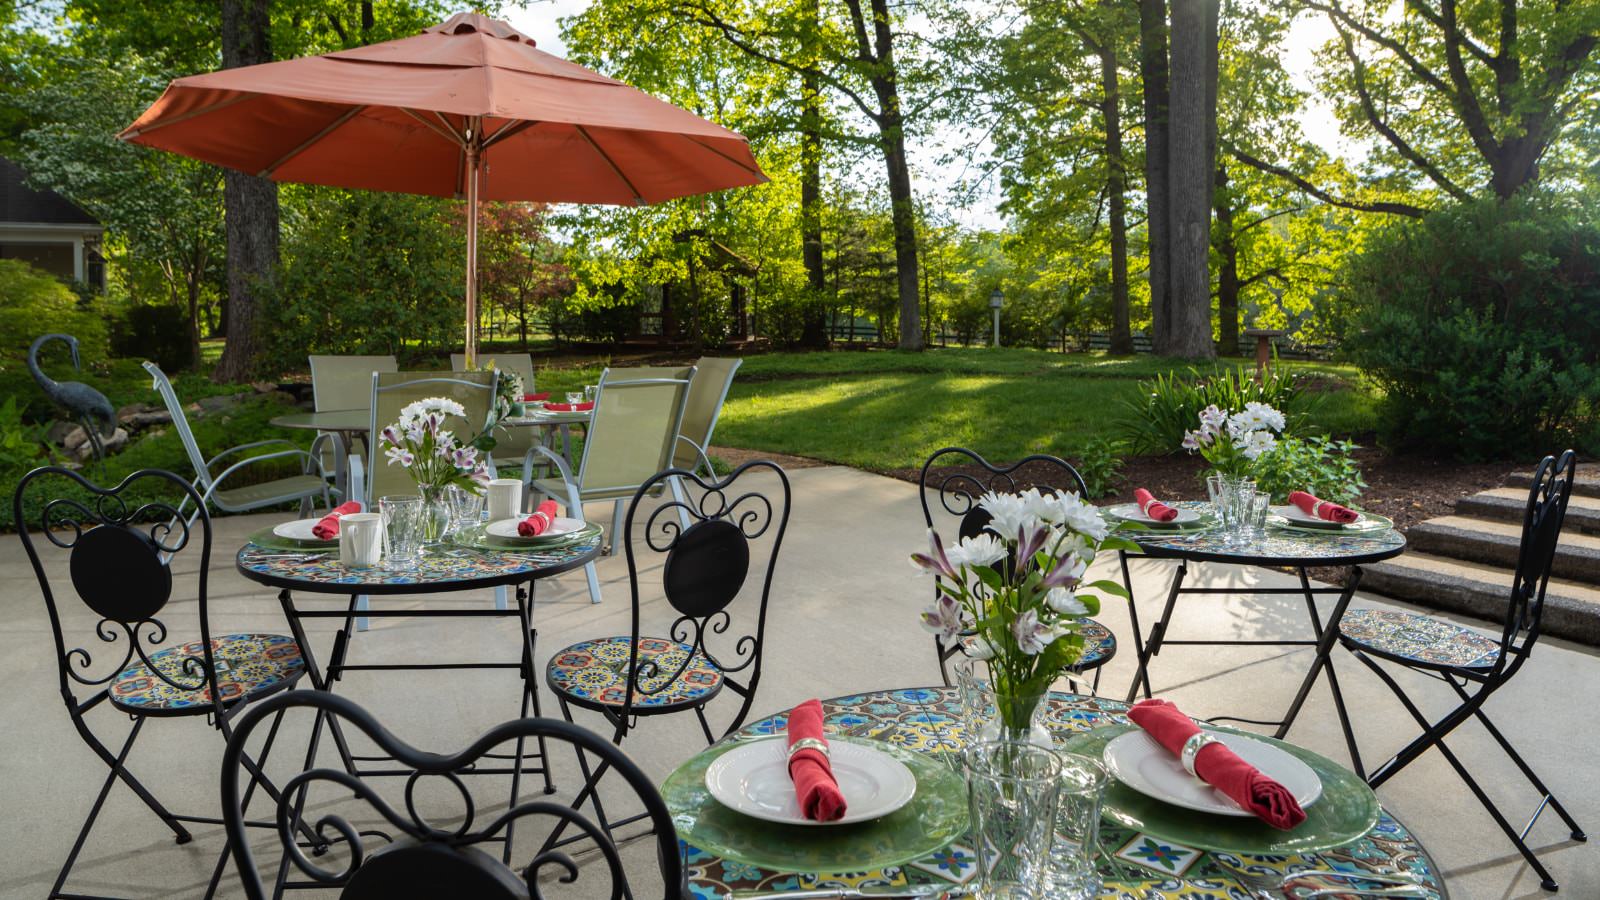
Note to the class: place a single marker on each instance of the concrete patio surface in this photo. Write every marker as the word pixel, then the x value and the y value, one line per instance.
pixel 842 620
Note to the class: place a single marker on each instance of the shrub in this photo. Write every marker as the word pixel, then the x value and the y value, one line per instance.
pixel 1169 405
pixel 157 332
pixel 1481 324
pixel 1100 464
pixel 1319 465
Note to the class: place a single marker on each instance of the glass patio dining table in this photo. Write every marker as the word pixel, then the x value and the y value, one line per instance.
pixel 1141 854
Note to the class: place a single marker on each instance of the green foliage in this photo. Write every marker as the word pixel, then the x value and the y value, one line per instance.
pixel 158 332
pixel 34 303
pixel 1170 404
pixel 1100 464
pixel 1318 465
pixel 1481 324
pixel 364 272
pixel 20 446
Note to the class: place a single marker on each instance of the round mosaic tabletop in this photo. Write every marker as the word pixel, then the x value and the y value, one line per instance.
pixel 1134 866
pixel 1275 546
pixel 446 567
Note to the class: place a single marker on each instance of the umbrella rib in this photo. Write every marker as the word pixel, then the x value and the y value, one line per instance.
pixel 612 163
pixel 510 129
pixel 131 133
pixel 694 140
pixel 331 126
pixel 450 136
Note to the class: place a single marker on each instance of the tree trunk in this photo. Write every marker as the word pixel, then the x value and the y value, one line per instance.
pixel 1153 72
pixel 891 131
pixel 815 332
pixel 1228 274
pixel 1116 185
pixel 250 204
pixel 194 318
pixel 1190 171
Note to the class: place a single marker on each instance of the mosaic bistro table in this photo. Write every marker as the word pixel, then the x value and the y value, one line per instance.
pixel 1276 547
pixel 926 722
pixel 442 568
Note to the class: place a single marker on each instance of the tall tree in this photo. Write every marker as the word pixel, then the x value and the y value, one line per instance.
pixel 1190 172
pixel 811 123
pixel 1153 74
pixel 1116 190
pixel 250 203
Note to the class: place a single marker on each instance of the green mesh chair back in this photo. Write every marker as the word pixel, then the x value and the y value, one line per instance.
pixel 707 391
pixel 393 391
pixel 512 442
pixel 636 418
pixel 345 382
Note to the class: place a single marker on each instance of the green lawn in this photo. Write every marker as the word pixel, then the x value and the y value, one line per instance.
pixel 887 409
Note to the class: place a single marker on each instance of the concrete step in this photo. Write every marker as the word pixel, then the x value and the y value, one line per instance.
pixel 1510 504
pixel 1571 610
pixel 1498 542
pixel 1586 483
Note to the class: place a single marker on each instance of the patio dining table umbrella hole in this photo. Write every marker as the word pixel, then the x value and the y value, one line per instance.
pixel 469 109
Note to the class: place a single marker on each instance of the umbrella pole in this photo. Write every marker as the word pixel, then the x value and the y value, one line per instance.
pixel 470 350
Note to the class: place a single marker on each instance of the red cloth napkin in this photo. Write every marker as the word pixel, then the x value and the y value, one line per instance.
pixel 542 518
pixel 1220 767
pixel 820 798
pixel 568 407
pixel 1322 509
pixel 535 398
pixel 1152 507
pixel 327 527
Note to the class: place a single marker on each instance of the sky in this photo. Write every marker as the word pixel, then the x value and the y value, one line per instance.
pixel 540 20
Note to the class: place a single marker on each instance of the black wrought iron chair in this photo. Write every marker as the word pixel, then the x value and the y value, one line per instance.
pixel 120 545
pixel 707 563
pixel 957 494
pixel 422 859
pixel 1473 664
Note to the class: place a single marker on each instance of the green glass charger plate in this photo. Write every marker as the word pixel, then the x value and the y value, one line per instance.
pixel 265 538
pixel 936 817
pixel 1136 529
pixel 1345 812
pixel 1369 524
pixel 476 538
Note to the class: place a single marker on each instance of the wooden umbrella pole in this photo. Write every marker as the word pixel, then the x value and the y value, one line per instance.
pixel 473 143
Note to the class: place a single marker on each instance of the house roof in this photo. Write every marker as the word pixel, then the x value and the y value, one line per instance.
pixel 19 203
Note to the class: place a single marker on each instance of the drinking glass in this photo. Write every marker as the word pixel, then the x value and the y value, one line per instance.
pixel 574 397
pixel 1011 795
pixel 1256 517
pixel 466 507
pixel 590 391
pixel 402 524
pixel 1080 790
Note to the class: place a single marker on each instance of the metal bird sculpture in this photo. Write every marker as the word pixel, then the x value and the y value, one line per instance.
pixel 86 404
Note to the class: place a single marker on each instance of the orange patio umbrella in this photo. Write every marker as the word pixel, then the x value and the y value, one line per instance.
pixel 467 109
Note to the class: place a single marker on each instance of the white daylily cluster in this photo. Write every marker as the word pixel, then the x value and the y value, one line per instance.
pixel 1015 592
pixel 419 442
pixel 1231 441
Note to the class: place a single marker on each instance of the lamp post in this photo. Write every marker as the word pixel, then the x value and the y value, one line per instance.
pixel 994 304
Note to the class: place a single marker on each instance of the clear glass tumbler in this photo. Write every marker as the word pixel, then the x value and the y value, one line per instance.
pixel 466 507
pixel 1256 517
pixel 590 391
pixel 402 526
pixel 574 397
pixel 1011 792
pixel 1081 788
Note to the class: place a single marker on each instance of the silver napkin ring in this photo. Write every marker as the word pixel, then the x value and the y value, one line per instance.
pixel 817 744
pixel 1192 747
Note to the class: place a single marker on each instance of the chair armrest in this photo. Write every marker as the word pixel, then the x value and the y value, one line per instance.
pixel 554 457
pixel 250 446
pixel 701 453
pixel 328 437
pixel 281 454
pixel 357 484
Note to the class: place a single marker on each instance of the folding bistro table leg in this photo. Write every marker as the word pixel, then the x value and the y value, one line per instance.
pixel 1325 639
pixel 1158 630
pixel 1133 622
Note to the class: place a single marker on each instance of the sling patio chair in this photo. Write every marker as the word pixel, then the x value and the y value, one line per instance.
pixel 513 443
pixel 311 482
pixel 344 383
pixel 1473 664
pixel 701 410
pixel 637 414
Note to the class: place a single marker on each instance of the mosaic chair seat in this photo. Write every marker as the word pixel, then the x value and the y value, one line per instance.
pixel 735 527
pixel 950 497
pixel 1474 665
pixel 411 854
pixel 121 546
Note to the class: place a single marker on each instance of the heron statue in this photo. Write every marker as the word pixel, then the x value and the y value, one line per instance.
pixel 88 406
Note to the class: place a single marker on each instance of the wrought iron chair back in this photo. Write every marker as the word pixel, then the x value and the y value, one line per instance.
pixel 1542 521
pixel 120 543
pixel 425 859
pixel 705 567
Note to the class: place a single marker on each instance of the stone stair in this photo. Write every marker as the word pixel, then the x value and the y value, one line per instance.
pixel 1463 563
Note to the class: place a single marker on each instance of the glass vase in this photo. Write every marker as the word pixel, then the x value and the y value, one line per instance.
pixel 999 715
pixel 435 513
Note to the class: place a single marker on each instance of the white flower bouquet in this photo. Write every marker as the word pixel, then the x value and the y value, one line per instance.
pixel 430 453
pixel 1232 441
pixel 1016 592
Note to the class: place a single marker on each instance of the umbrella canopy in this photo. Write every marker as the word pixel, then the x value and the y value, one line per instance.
pixel 469 109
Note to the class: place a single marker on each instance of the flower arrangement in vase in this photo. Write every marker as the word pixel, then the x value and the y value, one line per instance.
pixel 1016 593
pixel 1232 441
pixel 432 455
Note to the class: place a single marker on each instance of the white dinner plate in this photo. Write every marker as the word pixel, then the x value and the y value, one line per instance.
pixel 754 779
pixel 300 530
pixel 1299 516
pixel 1130 512
pixel 507 528
pixel 1136 760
